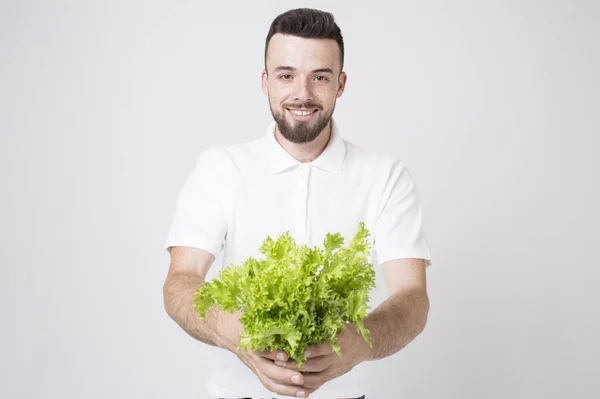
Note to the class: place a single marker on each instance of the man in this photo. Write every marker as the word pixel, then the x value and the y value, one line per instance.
pixel 301 177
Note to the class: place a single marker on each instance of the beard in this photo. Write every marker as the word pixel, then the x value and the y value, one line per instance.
pixel 301 131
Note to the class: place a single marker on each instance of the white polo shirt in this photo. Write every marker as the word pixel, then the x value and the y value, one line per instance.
pixel 238 195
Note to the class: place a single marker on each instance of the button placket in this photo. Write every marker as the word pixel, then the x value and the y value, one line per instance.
pixel 300 218
pixel 305 201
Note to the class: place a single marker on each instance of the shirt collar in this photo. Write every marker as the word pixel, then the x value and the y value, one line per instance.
pixel 330 160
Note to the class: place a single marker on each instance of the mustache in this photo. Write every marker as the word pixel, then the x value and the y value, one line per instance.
pixel 302 105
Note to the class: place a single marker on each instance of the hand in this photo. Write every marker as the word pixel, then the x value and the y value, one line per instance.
pixel 323 364
pixel 275 379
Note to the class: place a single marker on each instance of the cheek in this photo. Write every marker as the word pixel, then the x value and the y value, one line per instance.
pixel 283 91
pixel 328 102
pixel 327 96
pixel 276 93
pixel 276 101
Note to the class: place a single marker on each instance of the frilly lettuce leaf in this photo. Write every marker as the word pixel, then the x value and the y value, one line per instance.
pixel 296 296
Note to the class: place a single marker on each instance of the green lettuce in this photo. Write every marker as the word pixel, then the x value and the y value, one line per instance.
pixel 296 296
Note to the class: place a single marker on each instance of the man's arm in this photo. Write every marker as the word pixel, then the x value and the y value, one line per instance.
pixel 187 272
pixel 403 316
pixel 394 324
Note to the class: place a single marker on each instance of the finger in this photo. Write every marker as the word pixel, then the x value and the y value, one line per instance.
pixel 296 392
pixel 273 355
pixel 283 389
pixel 312 365
pixel 315 380
pixel 318 350
pixel 278 374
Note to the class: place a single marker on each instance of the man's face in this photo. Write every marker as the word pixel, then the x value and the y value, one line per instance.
pixel 303 83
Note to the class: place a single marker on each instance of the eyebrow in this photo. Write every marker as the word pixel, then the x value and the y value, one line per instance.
pixel 289 68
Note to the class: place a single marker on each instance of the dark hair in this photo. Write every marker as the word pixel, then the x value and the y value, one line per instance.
pixel 307 23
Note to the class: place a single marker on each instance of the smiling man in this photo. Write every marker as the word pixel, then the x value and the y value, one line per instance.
pixel 304 178
pixel 303 77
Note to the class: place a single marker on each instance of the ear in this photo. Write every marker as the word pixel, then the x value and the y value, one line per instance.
pixel 341 84
pixel 264 82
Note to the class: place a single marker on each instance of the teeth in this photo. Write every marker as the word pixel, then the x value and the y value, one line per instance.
pixel 301 113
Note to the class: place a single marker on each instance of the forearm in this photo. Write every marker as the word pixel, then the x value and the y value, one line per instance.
pixel 397 321
pixel 179 291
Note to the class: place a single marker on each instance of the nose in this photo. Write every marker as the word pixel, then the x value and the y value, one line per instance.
pixel 301 90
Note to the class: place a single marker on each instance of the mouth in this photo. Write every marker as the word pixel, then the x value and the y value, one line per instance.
pixel 302 114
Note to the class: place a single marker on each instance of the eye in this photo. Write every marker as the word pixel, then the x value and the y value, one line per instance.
pixel 321 78
pixel 285 77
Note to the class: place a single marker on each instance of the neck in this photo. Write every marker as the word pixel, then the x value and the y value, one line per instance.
pixel 305 152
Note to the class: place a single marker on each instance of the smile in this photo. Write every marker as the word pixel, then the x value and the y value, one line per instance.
pixel 302 115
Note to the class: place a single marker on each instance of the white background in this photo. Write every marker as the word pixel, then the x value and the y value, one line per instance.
pixel 494 106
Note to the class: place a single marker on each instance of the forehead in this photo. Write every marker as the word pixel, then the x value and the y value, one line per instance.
pixel 302 53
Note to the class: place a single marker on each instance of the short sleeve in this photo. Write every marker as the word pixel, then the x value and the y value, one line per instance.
pixel 398 232
pixel 203 205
